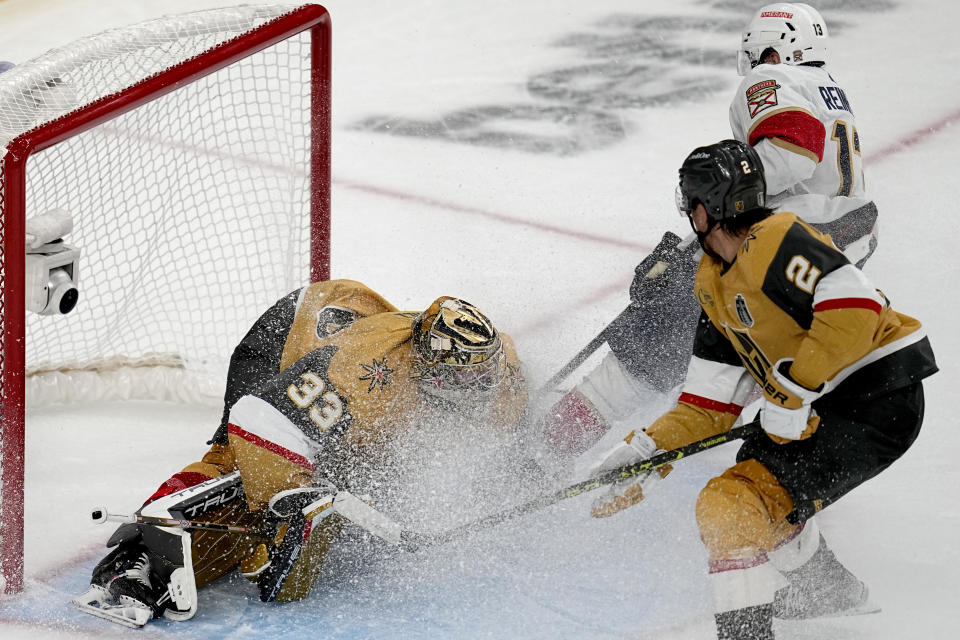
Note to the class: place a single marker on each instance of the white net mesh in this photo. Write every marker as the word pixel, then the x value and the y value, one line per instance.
pixel 191 211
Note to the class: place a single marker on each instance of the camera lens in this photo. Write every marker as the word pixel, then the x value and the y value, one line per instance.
pixel 63 293
pixel 69 300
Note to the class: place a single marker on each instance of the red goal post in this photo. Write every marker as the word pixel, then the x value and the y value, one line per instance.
pixel 192 155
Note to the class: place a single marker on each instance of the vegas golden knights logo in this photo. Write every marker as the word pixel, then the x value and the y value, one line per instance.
pixel 753 358
pixel 331 320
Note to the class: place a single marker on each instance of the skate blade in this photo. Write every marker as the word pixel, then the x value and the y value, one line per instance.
pixel 92 602
pixel 863 609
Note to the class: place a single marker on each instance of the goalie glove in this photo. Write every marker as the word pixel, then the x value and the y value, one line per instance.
pixel 635 447
pixel 784 423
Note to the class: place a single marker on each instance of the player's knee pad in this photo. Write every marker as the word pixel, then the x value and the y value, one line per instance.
pixel 744 508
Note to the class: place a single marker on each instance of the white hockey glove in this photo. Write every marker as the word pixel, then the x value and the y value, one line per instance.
pixel 635 447
pixel 783 422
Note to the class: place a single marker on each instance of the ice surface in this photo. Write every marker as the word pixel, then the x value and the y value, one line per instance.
pixel 522 155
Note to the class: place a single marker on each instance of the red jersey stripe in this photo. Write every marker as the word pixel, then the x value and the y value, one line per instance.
pixel 849 303
pixel 796 127
pixel 272 447
pixel 178 482
pixel 712 405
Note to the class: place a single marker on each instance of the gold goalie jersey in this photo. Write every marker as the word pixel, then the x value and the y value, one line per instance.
pixel 790 294
pixel 347 380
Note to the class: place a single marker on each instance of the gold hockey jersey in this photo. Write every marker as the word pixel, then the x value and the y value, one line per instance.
pixel 347 381
pixel 373 368
pixel 789 294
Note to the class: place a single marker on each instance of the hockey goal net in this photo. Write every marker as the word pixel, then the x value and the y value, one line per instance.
pixel 192 154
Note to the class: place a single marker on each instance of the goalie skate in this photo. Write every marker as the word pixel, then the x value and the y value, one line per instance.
pixel 177 602
pixel 96 602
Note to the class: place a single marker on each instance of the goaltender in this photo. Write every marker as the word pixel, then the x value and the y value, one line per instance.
pixel 317 391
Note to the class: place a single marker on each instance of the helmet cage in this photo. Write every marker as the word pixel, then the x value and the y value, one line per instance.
pixel 482 376
pixel 457 348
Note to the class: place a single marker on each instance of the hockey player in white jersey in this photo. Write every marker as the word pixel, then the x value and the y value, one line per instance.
pixel 801 124
pixel 799 120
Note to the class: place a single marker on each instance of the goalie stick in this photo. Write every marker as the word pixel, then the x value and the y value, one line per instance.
pixel 359 512
pixel 101 515
pixel 414 541
pixel 345 503
pixel 383 527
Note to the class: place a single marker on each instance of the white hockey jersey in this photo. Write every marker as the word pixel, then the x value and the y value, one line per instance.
pixel 802 125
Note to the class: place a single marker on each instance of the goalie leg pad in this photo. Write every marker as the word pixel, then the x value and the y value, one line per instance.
pixel 219 500
pixel 297 554
pixel 151 572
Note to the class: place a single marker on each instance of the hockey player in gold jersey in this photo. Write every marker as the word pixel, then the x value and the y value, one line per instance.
pixel 840 372
pixel 317 391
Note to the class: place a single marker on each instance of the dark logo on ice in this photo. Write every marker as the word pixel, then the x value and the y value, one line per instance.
pixel 742 312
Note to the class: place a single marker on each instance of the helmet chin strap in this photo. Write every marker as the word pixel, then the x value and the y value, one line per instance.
pixel 702 236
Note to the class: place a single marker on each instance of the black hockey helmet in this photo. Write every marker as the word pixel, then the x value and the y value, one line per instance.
pixel 726 177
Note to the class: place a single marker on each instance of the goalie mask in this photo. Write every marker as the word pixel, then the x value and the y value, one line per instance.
pixel 796 31
pixel 456 350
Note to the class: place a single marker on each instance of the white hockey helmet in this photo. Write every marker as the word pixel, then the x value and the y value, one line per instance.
pixel 794 30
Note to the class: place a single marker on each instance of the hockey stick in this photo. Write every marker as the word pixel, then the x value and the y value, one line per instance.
pixel 101 515
pixel 345 503
pixel 413 541
pixel 583 354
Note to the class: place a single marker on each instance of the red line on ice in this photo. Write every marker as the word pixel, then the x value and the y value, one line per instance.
pixel 492 215
pixel 914 138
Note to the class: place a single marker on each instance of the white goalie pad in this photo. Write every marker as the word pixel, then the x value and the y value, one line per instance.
pixel 181 591
pixel 182 588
